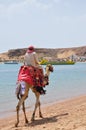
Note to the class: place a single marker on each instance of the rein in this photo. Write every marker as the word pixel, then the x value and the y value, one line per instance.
pixel 46 78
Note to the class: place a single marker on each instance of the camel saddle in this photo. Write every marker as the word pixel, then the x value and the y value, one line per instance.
pixel 31 75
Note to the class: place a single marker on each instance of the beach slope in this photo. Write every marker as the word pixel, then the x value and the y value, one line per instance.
pixel 65 115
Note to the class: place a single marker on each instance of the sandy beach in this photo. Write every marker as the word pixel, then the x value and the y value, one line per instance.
pixel 65 115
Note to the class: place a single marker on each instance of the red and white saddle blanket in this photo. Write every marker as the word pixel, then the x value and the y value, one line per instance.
pixel 31 75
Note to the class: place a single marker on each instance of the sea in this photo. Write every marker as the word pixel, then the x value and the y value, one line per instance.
pixel 67 81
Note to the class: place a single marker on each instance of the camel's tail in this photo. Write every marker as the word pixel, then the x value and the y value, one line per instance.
pixel 18 96
pixel 18 89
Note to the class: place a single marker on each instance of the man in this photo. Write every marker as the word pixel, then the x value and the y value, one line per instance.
pixel 31 58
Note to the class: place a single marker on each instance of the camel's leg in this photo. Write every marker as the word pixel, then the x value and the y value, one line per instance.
pixel 20 103
pixel 36 105
pixel 33 115
pixel 18 108
pixel 23 108
pixel 40 113
pixel 16 124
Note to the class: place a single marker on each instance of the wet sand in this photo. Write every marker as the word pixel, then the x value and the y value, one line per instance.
pixel 65 115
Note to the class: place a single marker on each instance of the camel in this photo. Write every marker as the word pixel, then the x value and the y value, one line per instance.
pixel 21 102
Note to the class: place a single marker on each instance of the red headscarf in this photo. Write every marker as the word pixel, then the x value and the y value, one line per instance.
pixel 30 49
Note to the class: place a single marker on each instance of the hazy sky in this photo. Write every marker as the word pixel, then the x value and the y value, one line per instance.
pixel 42 23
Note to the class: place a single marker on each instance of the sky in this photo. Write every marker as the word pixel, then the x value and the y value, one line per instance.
pixel 42 23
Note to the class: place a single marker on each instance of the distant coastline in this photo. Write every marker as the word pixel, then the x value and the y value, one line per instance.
pixel 77 54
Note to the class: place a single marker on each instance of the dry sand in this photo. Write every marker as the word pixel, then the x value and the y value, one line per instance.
pixel 66 115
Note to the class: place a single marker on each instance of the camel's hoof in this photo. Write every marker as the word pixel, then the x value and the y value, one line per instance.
pixel 16 125
pixel 41 116
pixel 32 119
pixel 27 124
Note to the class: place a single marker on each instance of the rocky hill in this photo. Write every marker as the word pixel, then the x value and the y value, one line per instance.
pixel 18 54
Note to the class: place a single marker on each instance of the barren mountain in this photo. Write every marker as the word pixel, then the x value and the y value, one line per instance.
pixel 18 54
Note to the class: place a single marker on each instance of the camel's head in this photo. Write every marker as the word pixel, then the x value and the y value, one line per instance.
pixel 49 67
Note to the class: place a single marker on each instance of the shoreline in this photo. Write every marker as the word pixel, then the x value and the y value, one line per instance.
pixel 63 115
pixel 12 112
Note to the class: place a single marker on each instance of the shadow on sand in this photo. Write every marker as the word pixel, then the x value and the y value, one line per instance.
pixel 46 120
pixel 42 121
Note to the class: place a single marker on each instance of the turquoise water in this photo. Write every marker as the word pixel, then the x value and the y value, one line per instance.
pixel 65 82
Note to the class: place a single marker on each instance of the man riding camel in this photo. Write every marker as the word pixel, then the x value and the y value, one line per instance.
pixel 33 71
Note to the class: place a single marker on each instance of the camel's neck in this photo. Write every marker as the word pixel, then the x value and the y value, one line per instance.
pixel 47 73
